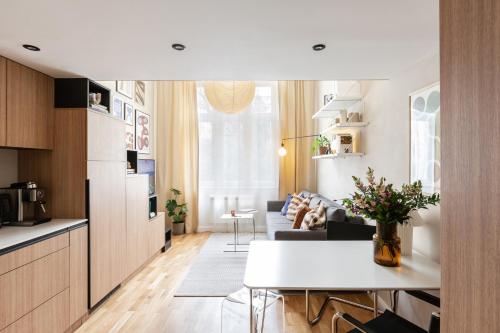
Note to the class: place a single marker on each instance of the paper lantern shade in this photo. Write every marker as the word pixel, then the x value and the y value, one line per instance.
pixel 229 96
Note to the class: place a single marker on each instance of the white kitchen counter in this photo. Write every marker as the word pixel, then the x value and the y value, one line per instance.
pixel 16 237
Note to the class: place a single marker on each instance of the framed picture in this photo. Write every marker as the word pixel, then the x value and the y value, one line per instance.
pixel 130 136
pixel 140 92
pixel 128 113
pixel 117 109
pixel 425 138
pixel 125 88
pixel 142 132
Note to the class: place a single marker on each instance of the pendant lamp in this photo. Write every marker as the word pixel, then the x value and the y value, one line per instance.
pixel 229 96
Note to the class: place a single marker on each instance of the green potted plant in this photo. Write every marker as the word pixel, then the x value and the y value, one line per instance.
pixel 177 212
pixel 321 145
pixel 388 207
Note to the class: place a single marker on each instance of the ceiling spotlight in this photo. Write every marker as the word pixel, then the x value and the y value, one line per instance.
pixel 178 47
pixel 31 47
pixel 319 47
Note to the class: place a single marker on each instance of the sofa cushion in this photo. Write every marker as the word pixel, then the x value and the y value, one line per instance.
pixel 315 218
pixel 303 209
pixel 287 203
pixel 293 207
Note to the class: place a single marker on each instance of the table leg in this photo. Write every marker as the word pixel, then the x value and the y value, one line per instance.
pixel 235 233
pixel 307 306
pixel 251 311
pixel 253 221
pixel 375 304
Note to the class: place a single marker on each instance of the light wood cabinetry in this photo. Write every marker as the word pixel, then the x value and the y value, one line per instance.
pixel 26 287
pixel 107 226
pixel 52 316
pixel 44 288
pixel 3 101
pixel 29 107
pixel 156 233
pixel 137 221
pixel 109 130
pixel 78 273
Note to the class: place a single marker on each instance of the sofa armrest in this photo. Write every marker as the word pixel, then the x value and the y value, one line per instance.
pixel 298 235
pixel 348 231
pixel 275 206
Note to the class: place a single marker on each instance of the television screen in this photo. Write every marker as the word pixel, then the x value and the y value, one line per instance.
pixel 147 166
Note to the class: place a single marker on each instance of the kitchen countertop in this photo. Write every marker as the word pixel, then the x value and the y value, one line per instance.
pixel 13 238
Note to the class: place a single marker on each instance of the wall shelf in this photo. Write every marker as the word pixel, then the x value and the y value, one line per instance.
pixel 343 126
pixel 336 155
pixel 338 103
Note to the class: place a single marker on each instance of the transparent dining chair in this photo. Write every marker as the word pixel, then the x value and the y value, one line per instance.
pixel 262 300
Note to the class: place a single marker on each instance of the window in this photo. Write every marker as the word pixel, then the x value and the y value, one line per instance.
pixel 238 160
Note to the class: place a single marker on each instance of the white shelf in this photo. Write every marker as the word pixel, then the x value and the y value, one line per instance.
pixel 338 103
pixel 342 126
pixel 337 155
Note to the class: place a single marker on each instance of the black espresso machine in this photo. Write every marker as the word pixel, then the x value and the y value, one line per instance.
pixel 23 204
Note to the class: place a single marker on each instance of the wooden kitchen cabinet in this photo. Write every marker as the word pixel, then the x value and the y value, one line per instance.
pixel 78 273
pixel 29 107
pixel 107 227
pixel 137 221
pixel 3 101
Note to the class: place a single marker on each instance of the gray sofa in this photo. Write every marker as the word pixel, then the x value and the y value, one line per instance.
pixel 280 228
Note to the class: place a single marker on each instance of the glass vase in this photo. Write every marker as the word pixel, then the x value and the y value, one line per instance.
pixel 387 245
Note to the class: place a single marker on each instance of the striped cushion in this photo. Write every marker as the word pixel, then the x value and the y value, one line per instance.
pixel 293 207
pixel 314 219
pixel 302 210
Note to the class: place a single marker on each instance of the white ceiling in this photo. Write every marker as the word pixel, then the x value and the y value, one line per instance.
pixel 225 39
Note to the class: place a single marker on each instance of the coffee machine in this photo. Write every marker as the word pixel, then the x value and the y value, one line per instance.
pixel 23 204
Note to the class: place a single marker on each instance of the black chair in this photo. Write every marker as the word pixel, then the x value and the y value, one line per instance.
pixel 389 322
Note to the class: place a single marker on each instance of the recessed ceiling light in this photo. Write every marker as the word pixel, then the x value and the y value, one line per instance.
pixel 31 47
pixel 319 47
pixel 178 47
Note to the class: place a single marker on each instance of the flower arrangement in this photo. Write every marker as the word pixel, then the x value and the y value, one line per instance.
pixel 385 204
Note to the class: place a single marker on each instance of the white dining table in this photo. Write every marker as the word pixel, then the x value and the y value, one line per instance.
pixel 332 266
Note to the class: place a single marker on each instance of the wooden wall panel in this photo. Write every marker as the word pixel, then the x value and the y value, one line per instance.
pixel 78 273
pixel 470 208
pixel 30 107
pixel 3 101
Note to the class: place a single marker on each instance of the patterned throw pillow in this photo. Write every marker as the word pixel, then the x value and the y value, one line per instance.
pixel 287 202
pixel 293 207
pixel 302 210
pixel 314 219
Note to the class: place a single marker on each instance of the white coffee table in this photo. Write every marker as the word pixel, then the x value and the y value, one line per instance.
pixel 236 220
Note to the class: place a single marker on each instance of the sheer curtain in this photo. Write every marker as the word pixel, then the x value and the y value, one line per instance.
pixel 238 160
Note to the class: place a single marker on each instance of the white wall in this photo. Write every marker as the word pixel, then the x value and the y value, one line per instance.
pixel 386 143
pixel 8 167
pixel 149 108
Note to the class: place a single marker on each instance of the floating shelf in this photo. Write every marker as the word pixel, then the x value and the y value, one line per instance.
pixel 332 108
pixel 341 126
pixel 332 156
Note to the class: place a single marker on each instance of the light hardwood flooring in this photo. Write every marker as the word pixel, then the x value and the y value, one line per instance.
pixel 145 303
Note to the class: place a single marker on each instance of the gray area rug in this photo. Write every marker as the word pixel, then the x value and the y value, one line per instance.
pixel 215 273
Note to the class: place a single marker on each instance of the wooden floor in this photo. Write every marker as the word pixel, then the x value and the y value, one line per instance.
pixel 146 304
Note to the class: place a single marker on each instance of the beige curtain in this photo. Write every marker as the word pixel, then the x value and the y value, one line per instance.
pixel 297 101
pixel 177 145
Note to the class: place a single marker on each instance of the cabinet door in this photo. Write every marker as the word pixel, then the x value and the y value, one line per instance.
pixel 53 315
pixel 107 226
pixel 78 273
pixel 137 221
pixel 30 100
pixel 156 233
pixel 105 138
pixel 3 101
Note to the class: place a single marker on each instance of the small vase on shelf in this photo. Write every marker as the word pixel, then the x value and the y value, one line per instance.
pixel 387 245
